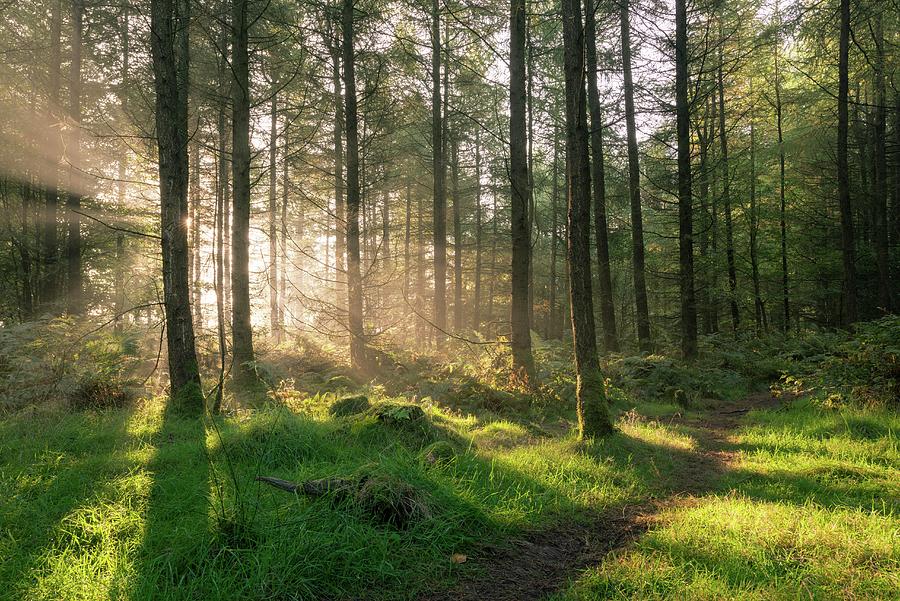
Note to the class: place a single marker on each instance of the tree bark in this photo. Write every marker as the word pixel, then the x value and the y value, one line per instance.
pixel 358 353
pixel 882 252
pixel 273 219
pixel 593 414
pixel 457 233
pixel 169 49
pixel 634 185
pixel 520 335
pixel 843 170
pixel 782 214
pixel 479 234
pixel 242 332
pixel 49 286
pixel 598 181
pixel 440 201
pixel 74 275
pixel 726 193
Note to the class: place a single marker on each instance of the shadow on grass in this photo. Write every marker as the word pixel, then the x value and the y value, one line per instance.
pixel 50 466
pixel 176 541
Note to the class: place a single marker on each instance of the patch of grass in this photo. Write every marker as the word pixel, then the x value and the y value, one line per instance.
pixel 140 503
pixel 810 511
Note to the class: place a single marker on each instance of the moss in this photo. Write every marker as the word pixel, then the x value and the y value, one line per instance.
pixel 188 400
pixel 593 412
pixel 351 405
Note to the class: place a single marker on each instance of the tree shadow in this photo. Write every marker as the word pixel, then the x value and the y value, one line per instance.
pixel 48 476
pixel 176 541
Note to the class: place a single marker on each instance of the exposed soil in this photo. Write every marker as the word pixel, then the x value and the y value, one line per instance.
pixel 539 563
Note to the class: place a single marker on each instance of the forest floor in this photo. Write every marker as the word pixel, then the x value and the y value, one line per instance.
pixel 745 497
pixel 537 564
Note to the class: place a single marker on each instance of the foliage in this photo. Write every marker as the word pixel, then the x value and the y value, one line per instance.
pixel 860 368
pixel 61 362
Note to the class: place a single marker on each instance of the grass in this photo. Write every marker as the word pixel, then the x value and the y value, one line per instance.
pixel 136 503
pixel 809 512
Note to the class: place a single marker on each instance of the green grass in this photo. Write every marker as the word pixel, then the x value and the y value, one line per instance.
pixel 143 504
pixel 137 504
pixel 810 512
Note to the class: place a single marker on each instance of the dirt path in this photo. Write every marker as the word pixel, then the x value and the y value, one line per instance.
pixel 539 563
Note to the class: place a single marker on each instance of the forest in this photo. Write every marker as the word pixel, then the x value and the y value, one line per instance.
pixel 449 299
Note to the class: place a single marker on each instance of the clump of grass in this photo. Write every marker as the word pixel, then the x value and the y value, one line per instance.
pixel 351 405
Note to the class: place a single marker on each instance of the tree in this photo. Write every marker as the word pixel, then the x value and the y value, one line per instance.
pixel 358 354
pixel 74 270
pixel 685 198
pixel 242 332
pixel 438 168
pixel 169 50
pixel 598 186
pixel 843 169
pixel 593 414
pixel 634 186
pixel 520 335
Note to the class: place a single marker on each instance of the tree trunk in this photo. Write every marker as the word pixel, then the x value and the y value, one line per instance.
pixel 407 234
pixel 457 234
pixel 685 199
pixel 479 234
pixel 242 332
pixel 358 353
pixel 754 233
pixel 273 219
pixel 782 214
pixel 119 277
pixel 196 242
pixel 593 414
pixel 598 181
pixel 882 257
pixel 74 275
pixel 340 217
pixel 726 194
pixel 552 320
pixel 169 48
pixel 49 287
pixel 843 171
pixel 634 185
pixel 440 202
pixel 520 335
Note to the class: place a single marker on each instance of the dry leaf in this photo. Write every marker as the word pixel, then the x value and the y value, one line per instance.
pixel 458 558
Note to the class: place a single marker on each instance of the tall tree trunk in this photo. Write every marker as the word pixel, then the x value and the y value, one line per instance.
pixel 634 185
pixel 494 233
pixel 726 192
pixel 49 286
pixel 222 274
pixel 440 201
pixel 843 171
pixel 273 219
pixel 598 181
pixel 169 48
pixel 340 217
pixel 520 338
pixel 703 291
pixel 422 330
pixel 882 256
pixel 119 277
pixel 196 242
pixel 479 234
pixel 358 353
pixel 593 413
pixel 754 232
pixel 457 233
pixel 782 214
pixel 552 320
pixel 74 275
pixel 282 247
pixel 685 198
pixel 242 332
pixel 407 235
